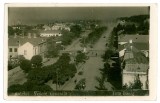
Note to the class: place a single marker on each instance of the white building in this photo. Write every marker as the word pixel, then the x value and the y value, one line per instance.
pixel 60 26
pixel 28 50
pixel 27 46
pixel 134 65
pixel 50 33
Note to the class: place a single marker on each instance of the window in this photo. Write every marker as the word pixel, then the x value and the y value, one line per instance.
pixel 25 52
pixel 10 49
pixel 15 49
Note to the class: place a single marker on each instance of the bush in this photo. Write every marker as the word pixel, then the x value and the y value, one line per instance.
pixel 80 73
pixel 25 65
pixel 28 87
pixel 36 61
pixel 81 84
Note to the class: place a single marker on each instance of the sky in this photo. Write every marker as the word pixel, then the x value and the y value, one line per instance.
pixel 37 15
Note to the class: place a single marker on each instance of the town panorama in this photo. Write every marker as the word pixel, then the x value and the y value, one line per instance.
pixel 85 55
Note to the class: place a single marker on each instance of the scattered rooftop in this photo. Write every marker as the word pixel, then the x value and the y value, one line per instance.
pixel 12 41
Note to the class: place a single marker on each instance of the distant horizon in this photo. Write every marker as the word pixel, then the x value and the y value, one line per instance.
pixel 44 15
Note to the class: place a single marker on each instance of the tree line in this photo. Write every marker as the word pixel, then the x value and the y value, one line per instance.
pixel 38 75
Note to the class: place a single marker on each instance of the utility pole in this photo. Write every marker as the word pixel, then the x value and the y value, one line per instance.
pixel 56 78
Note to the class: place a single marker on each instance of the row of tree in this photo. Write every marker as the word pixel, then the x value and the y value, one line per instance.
pixel 111 73
pixel 38 75
pixel 136 18
pixel 142 28
pixel 95 35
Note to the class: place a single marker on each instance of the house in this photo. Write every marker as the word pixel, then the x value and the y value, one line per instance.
pixel 50 33
pixel 59 26
pixel 141 42
pixel 27 46
pixel 135 38
pixel 12 49
pixel 135 65
pixel 47 27
pixel 143 47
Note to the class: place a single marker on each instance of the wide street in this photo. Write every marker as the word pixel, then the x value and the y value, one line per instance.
pixel 91 68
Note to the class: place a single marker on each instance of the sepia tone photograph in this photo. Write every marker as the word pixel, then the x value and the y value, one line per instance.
pixel 78 51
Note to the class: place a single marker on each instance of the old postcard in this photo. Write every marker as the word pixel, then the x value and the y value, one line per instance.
pixel 80 51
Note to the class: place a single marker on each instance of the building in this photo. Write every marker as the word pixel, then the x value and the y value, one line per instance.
pixel 60 26
pixel 135 65
pixel 141 42
pixel 12 49
pixel 50 33
pixel 135 38
pixel 47 27
pixel 27 46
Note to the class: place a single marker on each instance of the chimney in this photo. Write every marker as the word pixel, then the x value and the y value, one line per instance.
pixel 131 47
pixel 29 35
pixel 15 35
pixel 35 35
pixel 130 41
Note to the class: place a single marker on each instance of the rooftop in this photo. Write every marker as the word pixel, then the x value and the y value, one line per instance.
pixel 134 38
pixel 139 46
pixel 15 41
pixel 135 60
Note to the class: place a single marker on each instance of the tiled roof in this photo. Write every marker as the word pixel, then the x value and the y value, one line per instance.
pixel 136 67
pixel 134 38
pixel 135 60
pixel 15 41
pixel 141 46
pixel 138 46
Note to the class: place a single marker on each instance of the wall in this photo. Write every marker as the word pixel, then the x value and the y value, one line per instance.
pixel 28 47
pixel 129 78
pixel 13 53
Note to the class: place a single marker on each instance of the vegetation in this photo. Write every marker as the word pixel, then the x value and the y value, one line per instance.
pixel 25 65
pixel 136 18
pixel 81 84
pixel 75 32
pixel 95 35
pixel 137 84
pixel 59 72
pixel 67 37
pixel 81 57
pixel 28 87
pixel 36 61
pixel 52 48
pixel 135 24
pixel 76 29
pixel 19 29
pixel 101 83
pixel 111 73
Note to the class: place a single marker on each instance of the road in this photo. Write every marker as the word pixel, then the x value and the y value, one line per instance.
pixel 76 43
pixel 91 67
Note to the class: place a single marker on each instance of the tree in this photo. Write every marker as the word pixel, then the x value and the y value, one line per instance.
pixel 137 83
pixel 64 59
pixel 25 65
pixel 67 37
pixel 80 57
pixel 36 61
pixel 101 85
pixel 21 58
pixel 76 29
pixel 107 54
pixel 28 87
pixel 52 49
pixel 15 88
pixel 10 30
